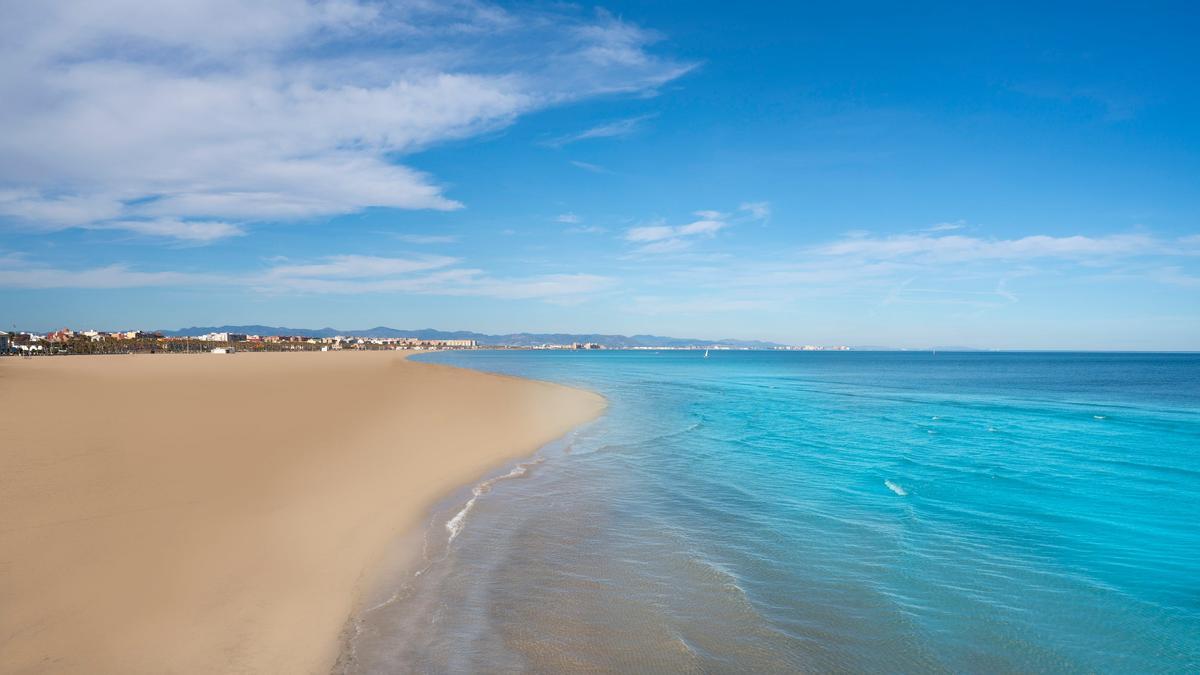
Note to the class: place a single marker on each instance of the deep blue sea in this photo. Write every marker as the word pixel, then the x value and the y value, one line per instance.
pixel 828 512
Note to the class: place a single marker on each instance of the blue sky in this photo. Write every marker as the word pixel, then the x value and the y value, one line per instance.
pixel 925 174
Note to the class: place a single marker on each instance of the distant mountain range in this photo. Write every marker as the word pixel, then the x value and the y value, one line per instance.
pixel 510 340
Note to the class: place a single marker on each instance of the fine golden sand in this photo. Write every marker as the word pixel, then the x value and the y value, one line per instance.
pixel 221 513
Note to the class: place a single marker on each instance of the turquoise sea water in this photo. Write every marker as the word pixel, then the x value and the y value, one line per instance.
pixel 799 512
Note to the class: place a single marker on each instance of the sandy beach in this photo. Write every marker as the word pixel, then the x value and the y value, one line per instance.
pixel 222 513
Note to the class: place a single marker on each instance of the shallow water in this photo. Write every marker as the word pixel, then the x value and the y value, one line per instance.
pixel 779 512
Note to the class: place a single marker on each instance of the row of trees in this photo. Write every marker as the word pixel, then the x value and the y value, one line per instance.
pixel 150 345
pixel 154 345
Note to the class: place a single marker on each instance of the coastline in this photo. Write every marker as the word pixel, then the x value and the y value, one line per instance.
pixel 215 513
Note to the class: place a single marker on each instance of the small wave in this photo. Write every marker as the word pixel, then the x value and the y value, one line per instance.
pixel 936 417
pixel 1099 417
pixel 455 525
pixel 896 488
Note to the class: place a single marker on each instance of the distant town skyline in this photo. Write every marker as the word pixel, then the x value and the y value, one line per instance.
pixel 1013 177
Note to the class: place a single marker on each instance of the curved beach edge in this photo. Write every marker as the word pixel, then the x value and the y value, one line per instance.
pixel 217 513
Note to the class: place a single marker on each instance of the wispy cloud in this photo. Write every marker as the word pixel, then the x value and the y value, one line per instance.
pixel 174 117
pixel 945 227
pixel 614 129
pixel 545 287
pixel 949 275
pixel 359 266
pixel 758 210
pixel 586 166
pixel 572 219
pixel 16 271
pixel 660 232
pixel 423 275
pixel 957 248
pixel 662 238
pixel 198 231
pixel 100 212
pixel 427 238
pixel 332 275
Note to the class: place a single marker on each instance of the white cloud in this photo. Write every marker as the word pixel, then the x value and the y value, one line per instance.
pixel 234 111
pixel 339 274
pixel 543 286
pixel 662 238
pixel 193 231
pixel 59 211
pixel 701 227
pixel 427 238
pixel 660 232
pixel 649 233
pixel 17 272
pixel 587 166
pixel 957 248
pixel 945 227
pixel 425 275
pixel 655 239
pixel 567 218
pixel 615 129
pixel 757 210
pixel 359 266
pixel 664 246
pixel 947 273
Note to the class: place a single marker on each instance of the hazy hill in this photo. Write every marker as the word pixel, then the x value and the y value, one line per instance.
pixel 512 339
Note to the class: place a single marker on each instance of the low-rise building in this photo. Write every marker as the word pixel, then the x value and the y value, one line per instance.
pixel 61 335
pixel 223 337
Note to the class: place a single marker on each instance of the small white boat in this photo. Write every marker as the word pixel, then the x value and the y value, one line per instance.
pixel 706 353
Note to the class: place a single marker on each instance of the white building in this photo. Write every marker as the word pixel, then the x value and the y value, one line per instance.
pixel 223 337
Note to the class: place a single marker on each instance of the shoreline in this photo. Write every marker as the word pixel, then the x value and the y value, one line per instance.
pixel 224 513
pixel 418 549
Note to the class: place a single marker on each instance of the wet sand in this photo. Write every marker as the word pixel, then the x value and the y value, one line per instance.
pixel 223 513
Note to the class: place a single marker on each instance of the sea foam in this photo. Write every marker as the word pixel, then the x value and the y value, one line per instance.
pixel 455 525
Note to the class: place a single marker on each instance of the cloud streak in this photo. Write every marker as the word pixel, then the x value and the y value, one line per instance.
pixel 17 272
pixel 427 238
pixel 615 129
pixel 662 238
pixel 332 275
pixel 956 248
pixel 588 166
